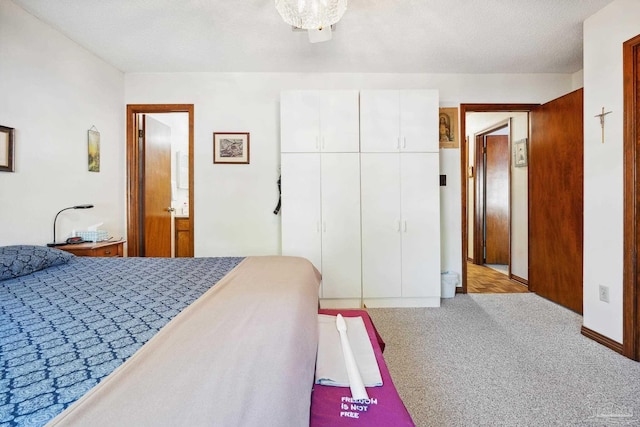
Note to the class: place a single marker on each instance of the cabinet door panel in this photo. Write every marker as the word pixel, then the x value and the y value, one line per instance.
pixel 339 121
pixel 419 121
pixel 379 121
pixel 341 260
pixel 380 198
pixel 420 225
pixel 299 121
pixel 301 206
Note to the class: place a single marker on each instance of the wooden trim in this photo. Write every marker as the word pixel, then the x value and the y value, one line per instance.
pixel 601 339
pixel 464 109
pixel 631 144
pixel 518 279
pixel 133 175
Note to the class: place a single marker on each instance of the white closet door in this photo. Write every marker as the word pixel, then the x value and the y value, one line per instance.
pixel 419 121
pixel 420 224
pixel 381 222
pixel 299 121
pixel 300 186
pixel 379 121
pixel 339 126
pixel 341 258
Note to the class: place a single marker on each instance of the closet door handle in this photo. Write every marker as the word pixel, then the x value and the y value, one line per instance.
pixel 405 226
pixel 317 142
pixel 398 143
pixel 323 143
pixel 404 142
pixel 398 228
pixel 324 227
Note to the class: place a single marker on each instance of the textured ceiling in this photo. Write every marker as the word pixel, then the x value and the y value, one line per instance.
pixel 412 36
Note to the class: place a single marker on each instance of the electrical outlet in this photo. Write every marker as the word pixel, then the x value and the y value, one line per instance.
pixel 604 293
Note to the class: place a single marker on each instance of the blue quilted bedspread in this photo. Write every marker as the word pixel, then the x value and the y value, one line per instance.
pixel 64 329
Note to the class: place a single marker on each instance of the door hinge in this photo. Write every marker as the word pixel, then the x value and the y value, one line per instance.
pixel 140 133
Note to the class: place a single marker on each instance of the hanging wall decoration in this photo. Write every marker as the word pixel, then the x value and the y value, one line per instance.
pixel 231 147
pixel 94 149
pixel 520 153
pixel 6 149
pixel 448 126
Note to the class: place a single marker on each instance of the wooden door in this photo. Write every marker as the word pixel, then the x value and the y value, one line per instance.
pixel 301 206
pixel 556 200
pixel 381 225
pixel 496 199
pixel 420 201
pixel 341 244
pixel 157 188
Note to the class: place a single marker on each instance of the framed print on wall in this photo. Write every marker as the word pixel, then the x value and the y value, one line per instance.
pixel 93 148
pixel 231 147
pixel 521 159
pixel 448 125
pixel 6 149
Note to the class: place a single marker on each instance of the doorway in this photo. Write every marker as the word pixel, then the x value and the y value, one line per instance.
pixel 496 113
pixel 492 207
pixel 153 193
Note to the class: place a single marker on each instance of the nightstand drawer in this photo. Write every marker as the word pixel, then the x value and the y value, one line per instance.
pixel 107 251
pixel 99 249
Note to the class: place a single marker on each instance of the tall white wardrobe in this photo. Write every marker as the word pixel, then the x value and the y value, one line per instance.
pixel 360 194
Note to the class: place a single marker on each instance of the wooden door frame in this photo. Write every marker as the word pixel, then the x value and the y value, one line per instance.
pixel 631 286
pixel 464 161
pixel 134 175
pixel 480 196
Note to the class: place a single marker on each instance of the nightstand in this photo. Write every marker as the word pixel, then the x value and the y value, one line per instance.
pixel 97 249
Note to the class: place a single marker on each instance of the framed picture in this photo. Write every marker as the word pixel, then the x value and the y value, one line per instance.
pixel 93 146
pixel 6 149
pixel 231 147
pixel 520 153
pixel 448 125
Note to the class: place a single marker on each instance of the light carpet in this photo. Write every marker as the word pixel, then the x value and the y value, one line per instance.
pixel 505 360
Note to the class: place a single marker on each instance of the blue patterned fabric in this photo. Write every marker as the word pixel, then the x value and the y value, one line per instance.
pixel 65 328
pixel 20 260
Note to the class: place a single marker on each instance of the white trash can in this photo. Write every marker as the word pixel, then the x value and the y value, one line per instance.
pixel 448 283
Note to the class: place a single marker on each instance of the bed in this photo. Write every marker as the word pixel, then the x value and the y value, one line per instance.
pixel 149 341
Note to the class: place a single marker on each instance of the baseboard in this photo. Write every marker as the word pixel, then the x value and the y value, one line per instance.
pixel 601 339
pixel 459 290
pixel 519 279
pixel 402 302
pixel 351 303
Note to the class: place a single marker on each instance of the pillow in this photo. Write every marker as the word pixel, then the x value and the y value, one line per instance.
pixel 16 261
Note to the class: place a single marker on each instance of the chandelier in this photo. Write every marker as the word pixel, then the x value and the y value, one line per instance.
pixel 311 14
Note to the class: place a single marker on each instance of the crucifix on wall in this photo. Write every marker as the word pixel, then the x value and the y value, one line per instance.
pixel 602 115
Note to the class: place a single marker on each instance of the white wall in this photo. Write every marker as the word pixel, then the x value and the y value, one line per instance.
pixel 604 34
pixel 234 203
pixel 52 92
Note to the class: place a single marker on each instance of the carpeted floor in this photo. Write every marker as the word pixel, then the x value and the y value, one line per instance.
pixel 505 360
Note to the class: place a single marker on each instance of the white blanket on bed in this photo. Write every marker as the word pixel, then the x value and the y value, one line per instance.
pixel 330 365
pixel 243 354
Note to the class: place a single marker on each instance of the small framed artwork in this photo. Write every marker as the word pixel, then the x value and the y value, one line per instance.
pixel 520 153
pixel 448 125
pixel 93 146
pixel 231 147
pixel 6 149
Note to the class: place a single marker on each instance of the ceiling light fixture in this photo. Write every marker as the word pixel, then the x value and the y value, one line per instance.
pixel 316 16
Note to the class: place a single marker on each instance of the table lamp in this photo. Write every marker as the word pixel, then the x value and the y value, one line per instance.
pixel 56 218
